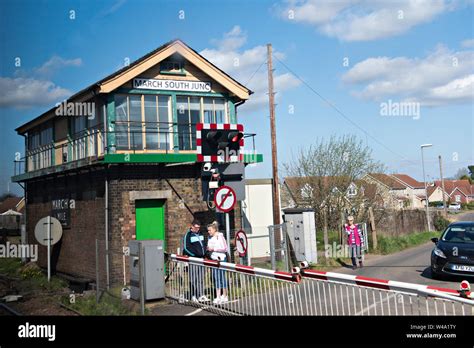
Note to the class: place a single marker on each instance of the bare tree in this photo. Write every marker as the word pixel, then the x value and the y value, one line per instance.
pixel 328 174
pixel 462 174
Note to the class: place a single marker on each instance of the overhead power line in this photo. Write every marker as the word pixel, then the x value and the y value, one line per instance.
pixel 342 113
pixel 251 77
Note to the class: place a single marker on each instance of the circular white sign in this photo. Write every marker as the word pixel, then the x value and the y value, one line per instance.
pixel 241 243
pixel 224 198
pixel 41 231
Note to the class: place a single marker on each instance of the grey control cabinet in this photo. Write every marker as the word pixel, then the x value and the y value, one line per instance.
pixel 302 233
pixel 153 265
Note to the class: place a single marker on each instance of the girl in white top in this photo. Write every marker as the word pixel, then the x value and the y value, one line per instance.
pixel 217 245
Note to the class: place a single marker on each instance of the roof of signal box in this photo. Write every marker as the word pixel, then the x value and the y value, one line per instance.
pixel 118 78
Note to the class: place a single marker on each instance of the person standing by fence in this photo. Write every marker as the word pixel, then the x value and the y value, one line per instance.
pixel 217 247
pixel 195 245
pixel 355 241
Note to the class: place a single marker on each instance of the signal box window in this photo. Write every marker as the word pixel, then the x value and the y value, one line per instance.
pixel 214 110
pixel 189 113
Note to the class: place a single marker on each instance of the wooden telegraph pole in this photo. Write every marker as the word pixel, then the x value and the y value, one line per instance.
pixel 275 184
pixel 372 227
pixel 442 185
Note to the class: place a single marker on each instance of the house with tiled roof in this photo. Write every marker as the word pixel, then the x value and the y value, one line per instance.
pixel 12 203
pixel 400 190
pixel 302 191
pixel 435 193
pixel 460 191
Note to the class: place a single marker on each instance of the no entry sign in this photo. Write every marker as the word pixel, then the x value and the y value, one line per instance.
pixel 241 243
pixel 224 198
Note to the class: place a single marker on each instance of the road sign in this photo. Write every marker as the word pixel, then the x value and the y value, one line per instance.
pixel 41 231
pixel 241 243
pixel 225 199
pixel 48 231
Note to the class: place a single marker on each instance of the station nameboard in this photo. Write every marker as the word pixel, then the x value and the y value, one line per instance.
pixel 61 210
pixel 172 85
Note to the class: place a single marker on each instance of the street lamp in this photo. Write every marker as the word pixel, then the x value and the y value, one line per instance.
pixel 426 190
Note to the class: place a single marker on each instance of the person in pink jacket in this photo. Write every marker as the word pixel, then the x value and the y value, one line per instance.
pixel 355 241
pixel 217 247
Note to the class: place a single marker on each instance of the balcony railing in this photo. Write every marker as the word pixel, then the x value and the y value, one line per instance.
pixel 130 137
pixel 89 143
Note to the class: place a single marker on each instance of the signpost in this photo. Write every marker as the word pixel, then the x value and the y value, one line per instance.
pixel 225 199
pixel 241 243
pixel 48 231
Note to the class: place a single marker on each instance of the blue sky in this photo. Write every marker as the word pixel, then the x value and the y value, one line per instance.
pixel 399 51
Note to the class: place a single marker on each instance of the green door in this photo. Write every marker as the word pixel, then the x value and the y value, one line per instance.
pixel 150 219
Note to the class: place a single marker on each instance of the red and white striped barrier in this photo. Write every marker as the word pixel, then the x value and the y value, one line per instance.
pixel 297 274
pixel 294 276
pixel 392 285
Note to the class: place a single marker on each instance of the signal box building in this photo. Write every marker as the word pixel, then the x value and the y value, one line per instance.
pixel 118 160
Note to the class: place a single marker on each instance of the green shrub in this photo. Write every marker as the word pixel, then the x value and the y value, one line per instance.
pixel 435 203
pixel 467 206
pixel 9 266
pixel 440 223
pixel 30 270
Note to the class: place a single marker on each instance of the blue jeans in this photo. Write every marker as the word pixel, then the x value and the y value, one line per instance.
pixel 218 276
pixel 196 279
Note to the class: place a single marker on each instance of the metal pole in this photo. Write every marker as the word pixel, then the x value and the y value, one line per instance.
pixel 49 248
pixel 97 270
pixel 287 247
pixel 275 184
pixel 23 240
pixel 142 278
pixel 227 229
pixel 107 232
pixel 271 235
pixel 426 190
pixel 442 184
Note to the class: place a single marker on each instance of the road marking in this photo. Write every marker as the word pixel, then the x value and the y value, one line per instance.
pixel 375 304
pixel 196 311
pixel 199 310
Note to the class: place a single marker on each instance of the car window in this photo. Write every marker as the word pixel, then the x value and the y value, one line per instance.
pixel 457 234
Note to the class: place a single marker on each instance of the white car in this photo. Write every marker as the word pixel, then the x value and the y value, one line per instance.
pixel 455 206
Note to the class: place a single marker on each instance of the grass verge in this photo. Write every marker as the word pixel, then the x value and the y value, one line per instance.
pixel 392 244
pixel 109 304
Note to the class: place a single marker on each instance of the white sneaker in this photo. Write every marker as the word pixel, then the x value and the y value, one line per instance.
pixel 224 299
pixel 203 298
pixel 194 299
pixel 217 301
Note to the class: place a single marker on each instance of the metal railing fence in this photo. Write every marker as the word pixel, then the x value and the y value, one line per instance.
pixel 256 291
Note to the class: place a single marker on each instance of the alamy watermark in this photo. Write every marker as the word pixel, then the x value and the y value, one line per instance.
pixel 336 251
pixel 28 330
pixel 29 251
pixel 76 109
pixel 404 109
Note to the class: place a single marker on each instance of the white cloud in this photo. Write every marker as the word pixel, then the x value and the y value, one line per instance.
pixel 54 64
pixel 442 77
pixel 241 64
pixel 28 92
pixel 363 20
pixel 33 87
pixel 469 43
pixel 458 90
